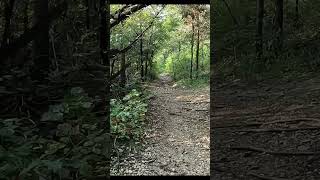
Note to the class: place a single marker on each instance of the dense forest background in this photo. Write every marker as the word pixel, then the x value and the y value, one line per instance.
pixel 263 39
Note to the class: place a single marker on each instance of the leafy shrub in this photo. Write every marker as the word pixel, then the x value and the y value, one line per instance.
pixel 127 116
pixel 79 149
pixel 201 82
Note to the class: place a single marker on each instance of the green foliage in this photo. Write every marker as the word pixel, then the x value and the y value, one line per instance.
pixel 194 84
pixel 127 116
pixel 76 150
pixel 175 55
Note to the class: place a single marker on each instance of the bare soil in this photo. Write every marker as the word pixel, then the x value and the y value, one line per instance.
pixel 177 137
pixel 269 130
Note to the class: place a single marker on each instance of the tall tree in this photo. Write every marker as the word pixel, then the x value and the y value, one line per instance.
pixel 105 94
pixel 25 16
pixel 123 72
pixel 41 42
pixel 146 63
pixel 93 14
pixel 141 56
pixel 278 26
pixel 259 31
pixel 297 11
pixel 86 4
pixel 8 12
pixel 192 44
pixel 197 50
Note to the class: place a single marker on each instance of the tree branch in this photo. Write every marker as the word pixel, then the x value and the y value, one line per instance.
pixel 141 34
pixel 230 12
pixel 126 11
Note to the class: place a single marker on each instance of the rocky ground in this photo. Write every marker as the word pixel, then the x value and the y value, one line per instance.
pixel 269 130
pixel 177 137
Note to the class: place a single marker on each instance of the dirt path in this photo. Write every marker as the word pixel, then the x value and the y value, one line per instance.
pixel 266 131
pixel 177 136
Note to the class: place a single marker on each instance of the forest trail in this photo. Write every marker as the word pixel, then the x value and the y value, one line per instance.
pixel 270 130
pixel 177 140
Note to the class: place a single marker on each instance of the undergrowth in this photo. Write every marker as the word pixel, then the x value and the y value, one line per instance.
pixel 77 148
pixel 128 115
pixel 194 83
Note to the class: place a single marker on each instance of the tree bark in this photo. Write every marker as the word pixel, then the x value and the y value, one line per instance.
pixel 197 52
pixel 278 26
pixel 259 31
pixel 151 65
pixel 146 65
pixel 93 14
pixel 41 42
pixel 192 44
pixel 32 33
pixel 202 55
pixel 25 26
pixel 86 4
pixel 25 16
pixel 123 74
pixel 141 58
pixel 105 94
pixel 297 11
pixel 8 12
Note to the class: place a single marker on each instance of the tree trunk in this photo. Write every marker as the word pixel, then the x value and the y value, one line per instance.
pixel 25 27
pixel 259 31
pixel 86 4
pixel 197 53
pixel 104 117
pixel 123 73
pixel 8 12
pixel 151 64
pixel 297 11
pixel 146 65
pixel 202 55
pixel 141 59
pixel 192 44
pixel 25 16
pixel 93 14
pixel 113 62
pixel 278 26
pixel 41 43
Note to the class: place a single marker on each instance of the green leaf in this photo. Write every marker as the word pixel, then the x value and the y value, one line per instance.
pixel 76 90
pixel 53 148
pixel 31 166
pixel 54 166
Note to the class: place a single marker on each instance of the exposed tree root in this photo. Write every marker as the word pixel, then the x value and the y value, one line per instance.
pixel 267 177
pixel 260 150
pixel 279 130
pixel 293 120
pixel 272 122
